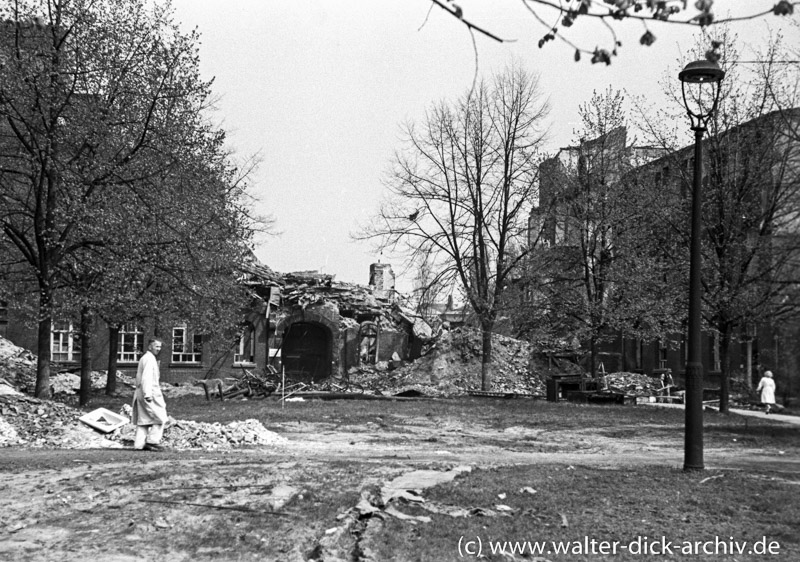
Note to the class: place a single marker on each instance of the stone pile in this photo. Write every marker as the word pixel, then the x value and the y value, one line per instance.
pixel 38 423
pixel 17 366
pixel 453 367
pixel 18 369
pixel 70 383
pixel 635 384
pixel 42 423
pixel 211 436
pixel 25 420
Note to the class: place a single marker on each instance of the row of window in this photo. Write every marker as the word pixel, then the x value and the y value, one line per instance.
pixel 716 358
pixel 186 347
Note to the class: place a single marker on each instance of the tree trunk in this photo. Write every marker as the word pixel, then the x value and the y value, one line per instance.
pixel 486 356
pixel 43 390
pixel 86 357
pixel 593 357
pixel 113 349
pixel 725 359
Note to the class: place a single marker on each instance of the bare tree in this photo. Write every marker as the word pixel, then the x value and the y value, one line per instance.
pixel 461 188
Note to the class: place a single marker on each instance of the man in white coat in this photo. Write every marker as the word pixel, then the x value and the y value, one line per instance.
pixel 767 388
pixel 149 408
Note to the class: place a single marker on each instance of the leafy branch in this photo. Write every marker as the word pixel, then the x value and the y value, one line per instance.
pixel 568 12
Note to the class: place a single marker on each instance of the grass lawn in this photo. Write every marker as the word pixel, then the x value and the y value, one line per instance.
pixel 637 512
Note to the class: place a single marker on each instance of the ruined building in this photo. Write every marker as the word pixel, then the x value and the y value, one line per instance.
pixel 304 323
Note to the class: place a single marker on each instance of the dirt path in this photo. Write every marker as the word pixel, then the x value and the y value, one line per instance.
pixel 288 501
pixel 482 446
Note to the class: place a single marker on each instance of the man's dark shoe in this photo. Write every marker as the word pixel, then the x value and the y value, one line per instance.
pixel 153 447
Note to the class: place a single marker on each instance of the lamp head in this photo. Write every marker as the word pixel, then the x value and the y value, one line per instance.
pixel 703 78
pixel 701 71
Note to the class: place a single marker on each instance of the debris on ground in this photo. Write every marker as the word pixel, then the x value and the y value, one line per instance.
pixel 452 367
pixel 37 423
pixel 17 366
pixel 70 383
pixel 25 420
pixel 632 384
pixel 211 436
pixel 18 370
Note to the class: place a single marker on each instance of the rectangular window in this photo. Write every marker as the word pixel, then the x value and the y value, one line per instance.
pixel 246 347
pixel 64 343
pixel 131 343
pixel 663 348
pixel 186 346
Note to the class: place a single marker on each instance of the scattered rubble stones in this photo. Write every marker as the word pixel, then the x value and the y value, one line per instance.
pixel 29 421
pixel 47 424
pixel 17 366
pixel 634 384
pixel 452 367
pixel 34 422
pixel 211 436
pixel 8 435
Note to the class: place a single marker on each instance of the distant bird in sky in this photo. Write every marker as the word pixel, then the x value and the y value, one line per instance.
pixel 413 216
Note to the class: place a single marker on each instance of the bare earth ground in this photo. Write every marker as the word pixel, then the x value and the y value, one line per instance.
pixel 299 500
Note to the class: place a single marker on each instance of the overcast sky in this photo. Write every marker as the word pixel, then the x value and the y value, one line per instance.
pixel 318 91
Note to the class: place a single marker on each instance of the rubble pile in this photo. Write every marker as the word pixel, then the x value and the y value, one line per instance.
pixel 453 367
pixel 18 369
pixel 211 436
pixel 17 366
pixel 24 419
pixel 8 435
pixel 633 384
pixel 70 383
pixel 304 288
pixel 43 423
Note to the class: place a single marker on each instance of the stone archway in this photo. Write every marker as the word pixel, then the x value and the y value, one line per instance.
pixel 307 351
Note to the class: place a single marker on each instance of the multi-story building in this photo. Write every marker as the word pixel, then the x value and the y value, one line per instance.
pixel 759 158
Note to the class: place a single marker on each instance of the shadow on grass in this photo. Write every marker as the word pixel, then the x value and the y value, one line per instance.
pixel 527 507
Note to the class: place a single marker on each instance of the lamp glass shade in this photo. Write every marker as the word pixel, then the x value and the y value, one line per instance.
pixel 701 71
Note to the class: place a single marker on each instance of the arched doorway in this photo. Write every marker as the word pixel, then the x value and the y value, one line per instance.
pixel 307 352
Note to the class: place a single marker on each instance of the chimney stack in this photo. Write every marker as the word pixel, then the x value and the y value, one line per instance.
pixel 381 279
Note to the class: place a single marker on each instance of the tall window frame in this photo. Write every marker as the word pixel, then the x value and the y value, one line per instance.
pixel 663 353
pixel 245 353
pixel 187 347
pixel 131 343
pixel 65 344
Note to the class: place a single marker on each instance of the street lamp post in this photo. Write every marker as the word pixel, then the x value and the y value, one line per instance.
pixel 696 76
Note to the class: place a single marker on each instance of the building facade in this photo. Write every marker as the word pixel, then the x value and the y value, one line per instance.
pixel 760 158
pixel 305 324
